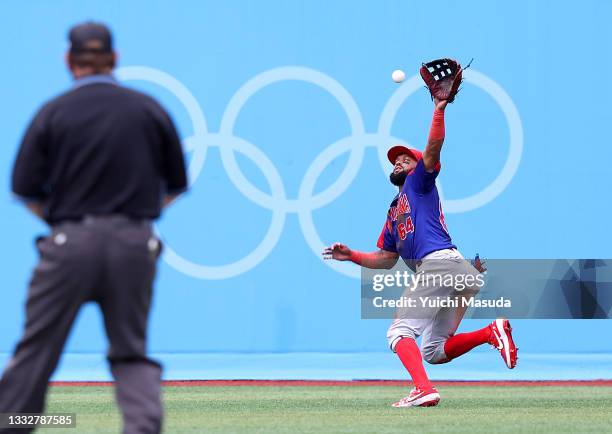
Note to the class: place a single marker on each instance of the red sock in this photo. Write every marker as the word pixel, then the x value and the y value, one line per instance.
pixel 463 342
pixel 410 355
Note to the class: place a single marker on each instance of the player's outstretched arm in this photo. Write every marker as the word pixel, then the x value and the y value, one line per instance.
pixel 378 259
pixel 431 155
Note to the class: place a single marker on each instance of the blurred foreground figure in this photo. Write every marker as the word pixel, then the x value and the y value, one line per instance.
pixel 97 163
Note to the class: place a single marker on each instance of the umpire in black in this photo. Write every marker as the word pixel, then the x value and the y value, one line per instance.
pixel 98 163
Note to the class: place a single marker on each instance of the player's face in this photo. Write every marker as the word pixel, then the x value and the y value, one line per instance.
pixel 404 164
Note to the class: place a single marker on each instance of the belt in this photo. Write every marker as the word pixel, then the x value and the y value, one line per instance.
pixel 92 219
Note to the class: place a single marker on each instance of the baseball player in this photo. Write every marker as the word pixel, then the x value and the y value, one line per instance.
pixel 97 163
pixel 416 231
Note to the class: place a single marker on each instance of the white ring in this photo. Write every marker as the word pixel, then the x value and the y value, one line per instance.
pixel 270 239
pixel 144 73
pixel 385 122
pixel 515 152
pixel 306 188
pixel 515 126
pixel 277 75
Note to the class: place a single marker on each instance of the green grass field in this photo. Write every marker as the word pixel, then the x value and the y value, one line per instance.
pixel 352 409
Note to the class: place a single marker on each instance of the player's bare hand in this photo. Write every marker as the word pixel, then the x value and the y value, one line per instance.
pixel 337 251
pixel 440 104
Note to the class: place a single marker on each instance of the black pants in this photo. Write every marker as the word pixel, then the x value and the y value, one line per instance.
pixel 110 260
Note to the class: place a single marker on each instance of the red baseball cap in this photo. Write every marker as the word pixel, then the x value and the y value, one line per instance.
pixel 414 153
pixel 399 150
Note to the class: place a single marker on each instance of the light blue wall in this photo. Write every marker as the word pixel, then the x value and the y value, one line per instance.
pixel 540 56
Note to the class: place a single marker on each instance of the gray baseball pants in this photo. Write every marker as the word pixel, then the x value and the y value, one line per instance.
pixel 110 260
pixel 443 322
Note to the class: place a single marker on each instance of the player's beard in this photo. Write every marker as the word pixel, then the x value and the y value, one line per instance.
pixel 398 178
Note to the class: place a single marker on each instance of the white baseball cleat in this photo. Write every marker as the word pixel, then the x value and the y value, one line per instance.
pixel 501 339
pixel 419 398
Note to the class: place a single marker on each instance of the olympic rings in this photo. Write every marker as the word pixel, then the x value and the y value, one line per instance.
pixel 306 202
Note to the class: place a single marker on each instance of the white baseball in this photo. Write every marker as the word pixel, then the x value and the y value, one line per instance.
pixel 398 75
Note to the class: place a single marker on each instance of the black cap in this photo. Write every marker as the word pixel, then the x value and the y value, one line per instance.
pixel 90 37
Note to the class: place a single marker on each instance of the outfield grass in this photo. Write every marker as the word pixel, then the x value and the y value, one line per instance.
pixel 353 409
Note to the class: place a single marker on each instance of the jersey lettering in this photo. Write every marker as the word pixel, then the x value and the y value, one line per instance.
pixel 403 207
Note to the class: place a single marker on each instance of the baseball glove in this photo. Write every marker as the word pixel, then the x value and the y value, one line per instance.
pixel 442 78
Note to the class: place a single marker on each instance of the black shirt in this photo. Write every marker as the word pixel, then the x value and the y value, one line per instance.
pixel 100 148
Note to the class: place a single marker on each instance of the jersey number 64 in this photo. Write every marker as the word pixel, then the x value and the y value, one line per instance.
pixel 405 228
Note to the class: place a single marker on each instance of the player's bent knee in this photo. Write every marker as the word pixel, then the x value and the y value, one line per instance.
pixel 393 339
pixel 434 355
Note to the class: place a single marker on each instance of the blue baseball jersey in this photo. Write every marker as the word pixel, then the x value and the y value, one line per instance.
pixel 415 223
